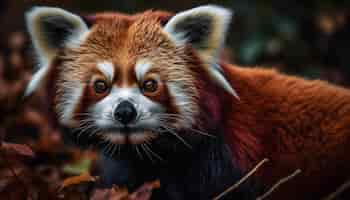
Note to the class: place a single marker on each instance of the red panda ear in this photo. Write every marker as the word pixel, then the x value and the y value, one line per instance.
pixel 51 29
pixel 205 29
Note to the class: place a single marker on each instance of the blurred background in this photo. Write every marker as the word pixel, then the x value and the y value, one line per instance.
pixel 307 38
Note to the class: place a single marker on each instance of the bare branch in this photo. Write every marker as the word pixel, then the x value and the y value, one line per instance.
pixel 238 183
pixel 339 190
pixel 278 184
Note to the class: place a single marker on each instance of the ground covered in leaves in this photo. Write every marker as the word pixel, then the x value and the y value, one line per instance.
pixel 24 178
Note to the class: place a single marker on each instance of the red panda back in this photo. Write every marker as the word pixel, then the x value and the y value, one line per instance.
pixel 297 124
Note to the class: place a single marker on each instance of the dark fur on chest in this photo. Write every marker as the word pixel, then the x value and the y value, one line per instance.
pixel 202 172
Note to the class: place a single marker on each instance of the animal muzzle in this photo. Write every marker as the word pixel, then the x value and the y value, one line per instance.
pixel 125 112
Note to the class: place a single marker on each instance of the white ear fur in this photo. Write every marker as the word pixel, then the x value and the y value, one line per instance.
pixel 51 29
pixel 36 81
pixel 205 29
pixel 216 74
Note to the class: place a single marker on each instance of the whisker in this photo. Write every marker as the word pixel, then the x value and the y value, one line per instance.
pixel 152 152
pixel 148 155
pixel 202 133
pixel 195 130
pixel 94 132
pixel 108 147
pixel 115 147
pixel 177 136
pixel 176 116
pixel 169 114
pixel 82 130
pixel 86 128
pixel 105 147
pixel 138 152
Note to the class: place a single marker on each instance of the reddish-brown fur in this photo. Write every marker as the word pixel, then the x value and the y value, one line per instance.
pixel 294 122
pixel 121 39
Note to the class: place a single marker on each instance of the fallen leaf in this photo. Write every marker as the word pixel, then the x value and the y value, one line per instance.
pixel 76 180
pixel 114 193
pixel 100 194
pixel 117 193
pixel 145 191
pixel 18 149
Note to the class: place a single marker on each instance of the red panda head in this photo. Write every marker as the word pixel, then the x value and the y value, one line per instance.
pixel 131 79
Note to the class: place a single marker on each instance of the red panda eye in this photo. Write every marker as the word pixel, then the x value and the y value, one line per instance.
pixel 150 86
pixel 100 86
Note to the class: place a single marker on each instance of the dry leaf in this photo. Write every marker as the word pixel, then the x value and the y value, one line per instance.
pixel 145 191
pixel 76 180
pixel 116 193
pixel 100 194
pixel 18 149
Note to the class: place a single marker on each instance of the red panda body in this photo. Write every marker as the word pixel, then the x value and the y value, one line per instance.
pixel 115 72
pixel 297 124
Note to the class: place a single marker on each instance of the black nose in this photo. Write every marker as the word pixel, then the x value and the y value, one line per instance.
pixel 125 112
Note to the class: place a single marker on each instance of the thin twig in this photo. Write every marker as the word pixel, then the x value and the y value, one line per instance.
pixel 339 190
pixel 278 184
pixel 244 178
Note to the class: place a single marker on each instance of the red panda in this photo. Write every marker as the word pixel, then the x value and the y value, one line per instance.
pixel 151 92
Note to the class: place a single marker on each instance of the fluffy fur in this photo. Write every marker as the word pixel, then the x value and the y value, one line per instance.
pixel 297 123
pixel 208 137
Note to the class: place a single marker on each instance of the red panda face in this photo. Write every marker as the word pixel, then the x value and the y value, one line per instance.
pixel 129 80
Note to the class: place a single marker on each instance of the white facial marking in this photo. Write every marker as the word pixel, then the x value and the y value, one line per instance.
pixel 68 102
pixel 107 68
pixel 126 93
pixel 146 119
pixel 142 67
pixel 184 103
pixel 103 110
